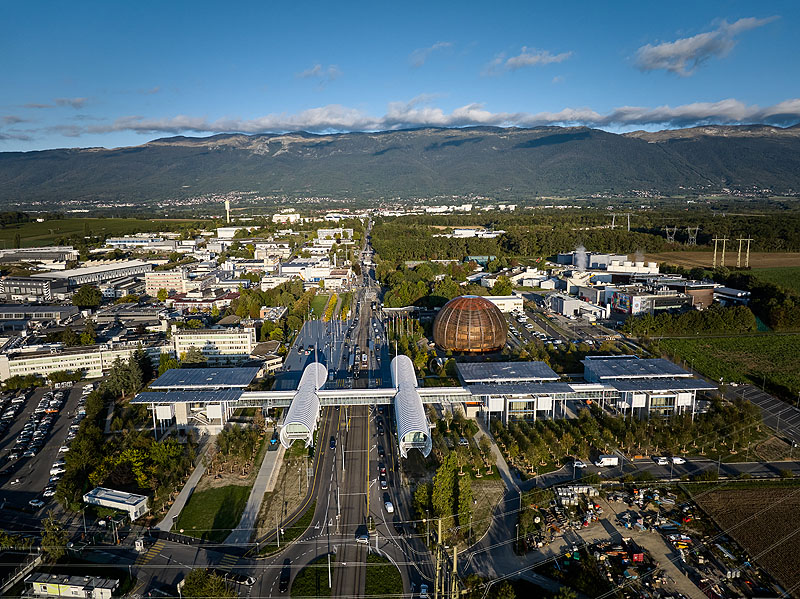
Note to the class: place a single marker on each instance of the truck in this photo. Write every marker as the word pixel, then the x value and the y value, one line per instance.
pixel 607 460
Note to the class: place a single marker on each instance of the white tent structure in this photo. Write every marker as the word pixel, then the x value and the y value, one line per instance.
pixel 303 415
pixel 413 431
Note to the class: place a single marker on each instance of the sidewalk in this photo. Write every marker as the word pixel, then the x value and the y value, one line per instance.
pixel 265 481
pixel 502 467
pixel 166 524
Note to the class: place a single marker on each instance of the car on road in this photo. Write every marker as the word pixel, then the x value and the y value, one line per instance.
pixel 423 591
pixel 286 574
pixel 384 484
pixel 662 461
pixel 579 464
pixel 36 503
pixel 678 460
pixel 381 451
pixel 362 538
pixel 389 507
pixel 381 468
pixel 333 443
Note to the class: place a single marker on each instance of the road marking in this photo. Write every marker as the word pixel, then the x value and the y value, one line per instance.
pixel 147 557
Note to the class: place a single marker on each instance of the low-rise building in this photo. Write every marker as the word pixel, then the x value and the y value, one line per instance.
pixel 727 296
pixel 93 360
pixel 133 505
pixel 506 303
pixel 199 301
pixel 36 313
pixel 47 584
pixel 30 289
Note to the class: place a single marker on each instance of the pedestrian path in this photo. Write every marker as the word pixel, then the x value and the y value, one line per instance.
pixel 500 462
pixel 183 497
pixel 267 473
pixel 146 557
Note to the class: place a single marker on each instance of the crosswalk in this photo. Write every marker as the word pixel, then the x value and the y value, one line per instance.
pixel 146 557
pixel 228 561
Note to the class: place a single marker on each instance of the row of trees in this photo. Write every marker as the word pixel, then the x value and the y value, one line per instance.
pixel 449 497
pixel 715 319
pixel 531 445
pixel 71 339
pixel 236 449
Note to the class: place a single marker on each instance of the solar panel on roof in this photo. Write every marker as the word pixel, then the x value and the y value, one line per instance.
pixel 506 371
pixel 199 378
pixel 166 397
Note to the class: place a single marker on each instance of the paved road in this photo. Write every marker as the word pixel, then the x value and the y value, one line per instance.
pixel 779 415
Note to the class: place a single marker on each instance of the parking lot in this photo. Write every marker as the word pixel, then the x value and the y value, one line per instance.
pixel 31 446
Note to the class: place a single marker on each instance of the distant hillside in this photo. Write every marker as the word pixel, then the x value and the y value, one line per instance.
pixel 502 163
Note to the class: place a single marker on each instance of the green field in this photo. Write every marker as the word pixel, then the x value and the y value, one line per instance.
pixel 770 358
pixel 787 276
pixel 47 232
pixel 383 577
pixel 213 513
pixel 318 305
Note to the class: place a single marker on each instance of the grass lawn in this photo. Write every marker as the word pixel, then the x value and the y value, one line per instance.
pixel 744 359
pixel 788 276
pixel 213 513
pixel 45 233
pixel 318 305
pixel 383 578
pixel 312 581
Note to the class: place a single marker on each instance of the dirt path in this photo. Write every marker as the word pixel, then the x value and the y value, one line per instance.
pixel 704 259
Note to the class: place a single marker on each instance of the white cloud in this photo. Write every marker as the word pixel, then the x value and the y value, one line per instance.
pixel 528 57
pixel 323 74
pixel 419 56
pixel 419 112
pixel 75 103
pixel 684 55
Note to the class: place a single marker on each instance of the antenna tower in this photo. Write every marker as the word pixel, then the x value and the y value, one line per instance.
pixel 671 234
pixel 692 235
pixel 228 210
pixel 613 221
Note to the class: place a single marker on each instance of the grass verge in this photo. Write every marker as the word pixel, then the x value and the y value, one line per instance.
pixel 312 581
pixel 293 532
pixel 383 577
pixel 213 513
pixel 318 304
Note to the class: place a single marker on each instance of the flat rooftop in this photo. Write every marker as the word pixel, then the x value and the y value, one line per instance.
pixel 73 580
pixel 205 378
pixel 112 496
pixel 606 370
pixel 505 372
pixel 662 385
pixel 545 388
pixel 88 270
pixel 201 397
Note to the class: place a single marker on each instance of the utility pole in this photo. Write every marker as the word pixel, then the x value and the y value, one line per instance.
pixel 454 584
pixel 747 255
pixel 671 234
pixel 724 240
pixel 692 235
pixel 629 221
pixel 613 221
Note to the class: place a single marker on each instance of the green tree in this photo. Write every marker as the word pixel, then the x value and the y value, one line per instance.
pixel 215 311
pixel 70 338
pixel 566 593
pixel 87 296
pixel 162 295
pixel 88 337
pixel 502 286
pixel 465 500
pixel 54 538
pixel 202 584
pixel 193 356
pixel 442 496
pixel 166 362
pixel 17 240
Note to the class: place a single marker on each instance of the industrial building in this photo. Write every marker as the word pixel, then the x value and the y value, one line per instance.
pixel 30 289
pixel 92 275
pixel 506 303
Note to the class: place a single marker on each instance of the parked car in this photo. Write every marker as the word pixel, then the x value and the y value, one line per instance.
pixel 37 503
pixel 579 464
pixel 662 461
pixel 678 460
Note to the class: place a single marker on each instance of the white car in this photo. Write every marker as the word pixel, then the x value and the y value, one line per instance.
pixel 579 464
pixel 662 461
pixel 678 460
pixel 389 507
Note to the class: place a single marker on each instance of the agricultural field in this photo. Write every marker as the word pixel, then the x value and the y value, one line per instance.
pixel 704 259
pixel 47 232
pixel 764 523
pixel 758 359
pixel 787 277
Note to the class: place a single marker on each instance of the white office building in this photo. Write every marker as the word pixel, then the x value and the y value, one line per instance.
pixel 219 346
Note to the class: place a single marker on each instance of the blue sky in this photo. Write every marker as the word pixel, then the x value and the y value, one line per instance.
pixel 78 74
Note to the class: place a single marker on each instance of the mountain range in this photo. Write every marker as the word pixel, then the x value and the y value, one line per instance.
pixel 504 163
